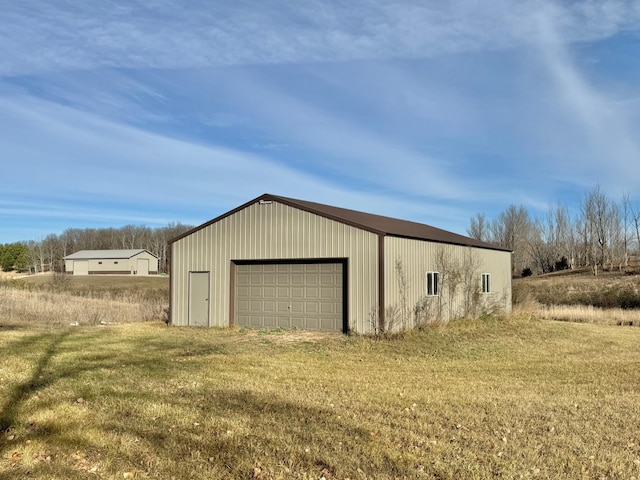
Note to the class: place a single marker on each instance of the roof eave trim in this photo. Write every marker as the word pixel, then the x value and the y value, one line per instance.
pixel 284 201
pixel 487 246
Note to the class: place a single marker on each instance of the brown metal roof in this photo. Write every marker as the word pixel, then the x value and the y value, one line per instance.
pixel 374 223
pixel 383 225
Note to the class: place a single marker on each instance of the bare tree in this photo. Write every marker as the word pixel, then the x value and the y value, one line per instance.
pixel 512 229
pixel 472 264
pixel 599 227
pixel 635 217
pixel 479 228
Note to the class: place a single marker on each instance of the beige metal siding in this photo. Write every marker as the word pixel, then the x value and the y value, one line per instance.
pixel 274 231
pixel 152 260
pixel 407 261
pixel 114 265
pixel 110 265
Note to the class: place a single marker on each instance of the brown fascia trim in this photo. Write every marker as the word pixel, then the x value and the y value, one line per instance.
pixel 217 219
pixel 381 283
pixel 459 244
pixel 170 272
pixel 305 208
pixel 274 198
pixel 232 293
pixel 292 203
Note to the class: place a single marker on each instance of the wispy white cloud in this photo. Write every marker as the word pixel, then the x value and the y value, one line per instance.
pixel 423 110
pixel 126 165
pixel 597 119
pixel 93 34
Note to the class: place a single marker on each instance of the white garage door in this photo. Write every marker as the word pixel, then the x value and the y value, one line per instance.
pixel 142 266
pixel 81 267
pixel 305 296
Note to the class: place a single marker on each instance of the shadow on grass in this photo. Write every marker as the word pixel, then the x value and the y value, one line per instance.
pixel 237 431
pixel 34 383
pixel 144 414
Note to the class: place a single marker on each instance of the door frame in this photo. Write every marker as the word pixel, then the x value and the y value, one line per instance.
pixel 345 282
pixel 190 292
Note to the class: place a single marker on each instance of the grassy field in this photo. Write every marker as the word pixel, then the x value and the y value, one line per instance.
pixel 95 285
pixel 611 298
pixel 612 289
pixel 83 300
pixel 493 398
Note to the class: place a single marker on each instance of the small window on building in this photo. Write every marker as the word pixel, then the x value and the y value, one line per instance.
pixel 99 263
pixel 433 283
pixel 115 263
pixel 486 283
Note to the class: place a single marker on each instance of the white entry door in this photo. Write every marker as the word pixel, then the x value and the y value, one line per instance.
pixel 199 299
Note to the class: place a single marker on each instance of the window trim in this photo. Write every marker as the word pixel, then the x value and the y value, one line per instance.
pixel 432 284
pixel 485 283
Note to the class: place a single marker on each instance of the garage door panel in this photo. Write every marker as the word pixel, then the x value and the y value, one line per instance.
pixel 255 306
pixel 283 307
pixel 255 321
pixel 243 306
pixel 284 292
pixel 327 279
pixel 328 293
pixel 327 308
pixel 305 296
pixel 297 307
pixel 243 291
pixel 255 292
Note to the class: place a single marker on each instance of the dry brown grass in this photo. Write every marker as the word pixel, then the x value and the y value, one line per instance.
pixel 47 306
pixel 589 314
pixel 494 398
pixel 612 289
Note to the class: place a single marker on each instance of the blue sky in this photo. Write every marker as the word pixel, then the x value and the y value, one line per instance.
pixel 148 112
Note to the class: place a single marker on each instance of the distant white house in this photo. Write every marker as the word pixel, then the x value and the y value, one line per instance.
pixel 121 262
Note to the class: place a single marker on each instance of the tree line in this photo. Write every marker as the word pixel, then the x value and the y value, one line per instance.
pixel 47 254
pixel 602 234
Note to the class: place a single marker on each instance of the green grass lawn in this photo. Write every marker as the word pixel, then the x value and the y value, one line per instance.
pixel 496 398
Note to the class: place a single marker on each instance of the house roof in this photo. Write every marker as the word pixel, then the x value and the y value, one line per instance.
pixel 378 224
pixel 106 254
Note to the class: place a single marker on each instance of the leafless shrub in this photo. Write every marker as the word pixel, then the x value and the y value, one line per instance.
pixel 425 312
pixel 59 281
